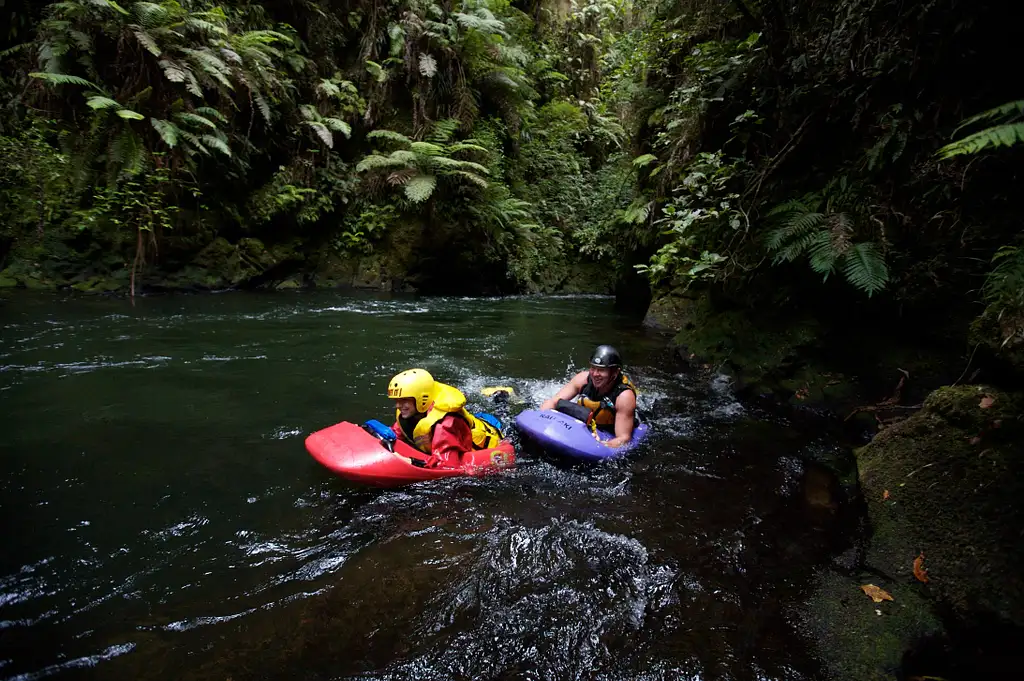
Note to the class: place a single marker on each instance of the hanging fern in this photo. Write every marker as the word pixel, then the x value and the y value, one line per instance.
pixel 865 268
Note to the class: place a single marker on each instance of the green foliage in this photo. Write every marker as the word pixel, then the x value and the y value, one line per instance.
pixel 817 227
pixel 364 226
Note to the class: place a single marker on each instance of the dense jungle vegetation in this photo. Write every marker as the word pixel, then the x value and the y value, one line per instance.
pixel 844 155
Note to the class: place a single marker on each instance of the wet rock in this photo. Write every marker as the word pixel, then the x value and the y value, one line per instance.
pixel 946 483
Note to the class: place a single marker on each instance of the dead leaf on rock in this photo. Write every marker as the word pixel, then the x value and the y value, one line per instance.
pixel 877 594
pixel 986 402
pixel 919 570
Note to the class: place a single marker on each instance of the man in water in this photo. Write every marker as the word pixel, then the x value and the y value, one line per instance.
pixel 606 392
pixel 431 417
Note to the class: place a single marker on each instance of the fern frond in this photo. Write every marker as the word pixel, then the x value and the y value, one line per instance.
pixel 148 42
pixel 1005 135
pixel 443 130
pixel 128 152
pixel 420 187
pixel 428 65
pixel 322 132
pixel 426 148
pixel 472 177
pixel 217 143
pixel 822 254
pixel 63 79
pixel 389 135
pixel 646 159
pixel 375 161
pixel 196 119
pixel 210 112
pixel 263 106
pixel 97 102
pixel 795 226
pixel 865 268
pixel 460 165
pixel 308 112
pixel 1002 111
pixel 338 125
pixel 462 146
pixel 168 131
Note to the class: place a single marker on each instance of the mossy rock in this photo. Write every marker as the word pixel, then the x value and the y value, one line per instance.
pixel 8 282
pixel 947 483
pixel 858 639
pixel 289 285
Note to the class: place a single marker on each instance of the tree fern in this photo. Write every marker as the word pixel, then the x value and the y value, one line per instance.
pixel 420 187
pixel 472 177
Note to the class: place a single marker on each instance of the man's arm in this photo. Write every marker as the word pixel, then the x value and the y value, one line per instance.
pixel 568 391
pixel 625 412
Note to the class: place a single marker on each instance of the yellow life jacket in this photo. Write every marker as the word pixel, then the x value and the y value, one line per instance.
pixel 603 406
pixel 449 400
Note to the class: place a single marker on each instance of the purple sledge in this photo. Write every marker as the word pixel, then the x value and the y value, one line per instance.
pixel 568 436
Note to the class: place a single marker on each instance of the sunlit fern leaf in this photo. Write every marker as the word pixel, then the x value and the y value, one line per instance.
pixel 338 125
pixel 1003 111
pixel 427 148
pixel 322 132
pixel 196 119
pixel 151 14
pixel 211 65
pixel 428 65
pixel 130 115
pixel 327 88
pixel 472 177
pixel 173 72
pixel 481 20
pixel 192 85
pixel 376 70
pixel 463 165
pixel 645 159
pixel 420 187
pixel 148 42
pixel 231 55
pixel 865 268
pixel 109 4
pixel 63 79
pixel 1005 135
pixel 443 130
pixel 217 143
pixel 97 102
pixel 308 112
pixel 194 143
pixel 168 131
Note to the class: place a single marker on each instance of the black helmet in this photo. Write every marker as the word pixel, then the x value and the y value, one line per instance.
pixel 606 356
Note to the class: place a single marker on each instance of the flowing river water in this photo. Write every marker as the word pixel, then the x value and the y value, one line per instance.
pixel 162 519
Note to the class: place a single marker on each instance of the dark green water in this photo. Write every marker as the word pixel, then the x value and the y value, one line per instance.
pixel 162 520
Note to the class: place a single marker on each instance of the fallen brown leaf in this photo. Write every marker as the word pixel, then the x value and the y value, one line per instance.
pixel 975 440
pixel 877 595
pixel 885 495
pixel 986 402
pixel 919 571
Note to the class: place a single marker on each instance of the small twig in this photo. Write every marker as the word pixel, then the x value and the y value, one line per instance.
pixel 969 360
pixel 919 469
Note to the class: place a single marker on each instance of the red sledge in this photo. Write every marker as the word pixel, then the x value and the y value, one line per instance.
pixel 357 454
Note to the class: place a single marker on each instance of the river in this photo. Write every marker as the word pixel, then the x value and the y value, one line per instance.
pixel 162 519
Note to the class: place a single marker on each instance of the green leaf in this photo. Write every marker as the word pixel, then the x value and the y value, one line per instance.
pixel 420 187
pixel 217 143
pixel 129 114
pixel 389 135
pixel 322 132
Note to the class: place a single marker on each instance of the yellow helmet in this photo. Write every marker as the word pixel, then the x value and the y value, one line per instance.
pixel 415 383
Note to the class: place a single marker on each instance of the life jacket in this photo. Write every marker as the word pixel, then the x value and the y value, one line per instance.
pixel 448 400
pixel 602 407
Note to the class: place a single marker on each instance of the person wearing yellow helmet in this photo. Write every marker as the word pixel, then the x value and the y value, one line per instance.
pixel 431 416
pixel 606 392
